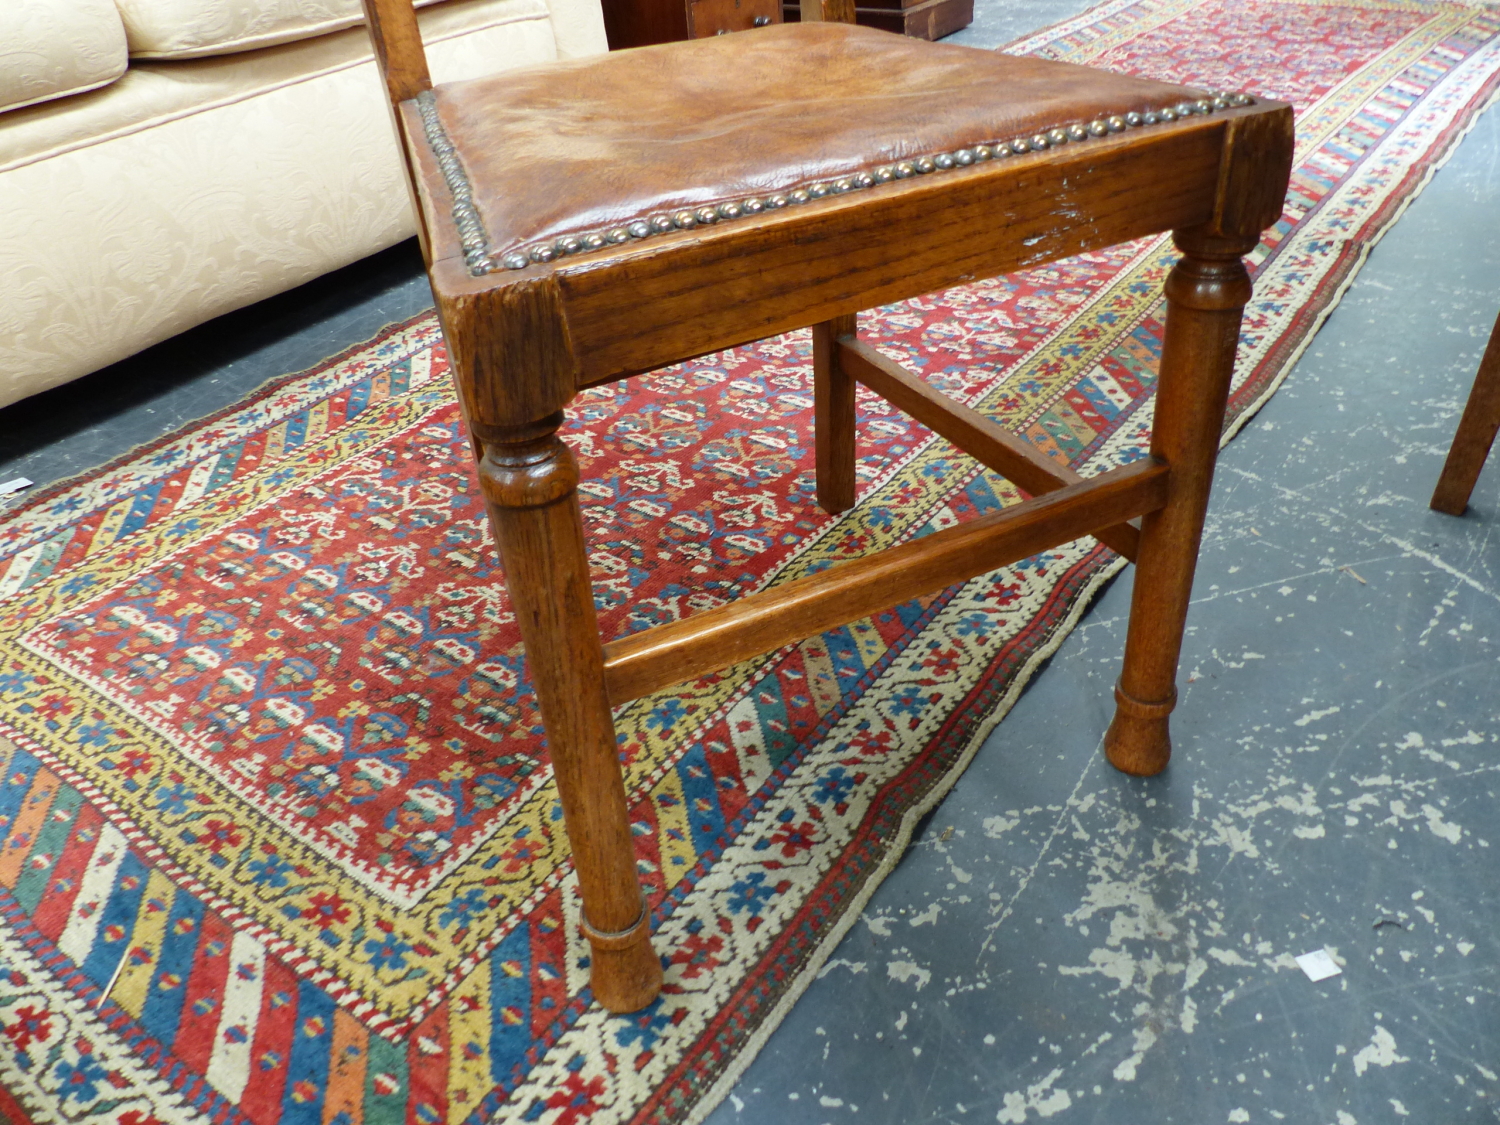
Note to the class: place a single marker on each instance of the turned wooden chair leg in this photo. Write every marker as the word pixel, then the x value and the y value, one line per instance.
pixel 1476 433
pixel 1206 293
pixel 530 483
pixel 833 394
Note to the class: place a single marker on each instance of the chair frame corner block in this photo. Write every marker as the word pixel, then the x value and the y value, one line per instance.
pixel 522 345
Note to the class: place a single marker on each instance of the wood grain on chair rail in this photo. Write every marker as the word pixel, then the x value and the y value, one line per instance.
pixel 989 443
pixel 641 306
pixel 701 291
pixel 644 662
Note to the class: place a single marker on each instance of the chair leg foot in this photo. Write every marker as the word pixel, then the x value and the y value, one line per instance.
pixel 625 972
pixel 1448 504
pixel 1476 434
pixel 1138 741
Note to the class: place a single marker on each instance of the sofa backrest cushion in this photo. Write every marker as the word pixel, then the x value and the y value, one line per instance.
pixel 49 48
pixel 187 29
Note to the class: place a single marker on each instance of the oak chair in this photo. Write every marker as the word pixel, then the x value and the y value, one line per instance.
pixel 591 220
pixel 1476 433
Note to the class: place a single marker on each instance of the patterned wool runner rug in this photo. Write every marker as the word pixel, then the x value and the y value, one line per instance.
pixel 280 841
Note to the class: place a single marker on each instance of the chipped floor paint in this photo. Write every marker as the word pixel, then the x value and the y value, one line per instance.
pixel 1066 944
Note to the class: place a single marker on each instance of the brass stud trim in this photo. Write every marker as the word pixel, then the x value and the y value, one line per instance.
pixel 482 258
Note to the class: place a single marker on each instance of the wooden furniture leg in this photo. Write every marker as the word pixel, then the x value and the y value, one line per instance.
pixel 1206 293
pixel 833 393
pixel 831 11
pixel 1476 433
pixel 530 484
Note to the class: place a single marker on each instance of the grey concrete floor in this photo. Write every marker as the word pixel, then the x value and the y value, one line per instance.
pixel 1065 943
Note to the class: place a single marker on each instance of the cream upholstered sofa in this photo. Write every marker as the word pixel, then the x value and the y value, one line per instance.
pixel 166 161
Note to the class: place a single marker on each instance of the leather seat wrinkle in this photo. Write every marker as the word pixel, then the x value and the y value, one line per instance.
pixel 599 141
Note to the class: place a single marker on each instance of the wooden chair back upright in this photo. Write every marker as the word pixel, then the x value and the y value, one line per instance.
pixel 398 48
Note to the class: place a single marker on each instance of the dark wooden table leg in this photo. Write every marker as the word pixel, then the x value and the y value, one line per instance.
pixel 1476 433
pixel 833 393
pixel 530 481
pixel 1206 293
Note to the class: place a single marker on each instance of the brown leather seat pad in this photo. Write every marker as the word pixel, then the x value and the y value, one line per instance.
pixel 590 143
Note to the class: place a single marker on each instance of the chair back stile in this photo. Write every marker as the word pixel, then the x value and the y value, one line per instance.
pixel 398 48
pixel 402 62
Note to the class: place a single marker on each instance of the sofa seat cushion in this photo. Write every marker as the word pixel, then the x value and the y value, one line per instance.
pixel 186 29
pixel 152 94
pixel 188 189
pixel 51 48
